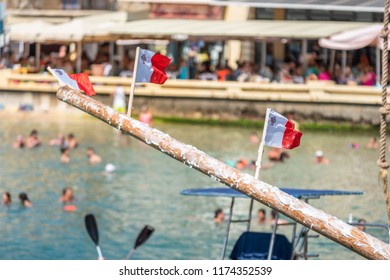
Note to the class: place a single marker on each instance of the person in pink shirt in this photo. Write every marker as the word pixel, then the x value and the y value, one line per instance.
pixel 324 74
pixel 367 78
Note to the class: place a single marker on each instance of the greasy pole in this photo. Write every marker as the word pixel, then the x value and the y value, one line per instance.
pixel 303 213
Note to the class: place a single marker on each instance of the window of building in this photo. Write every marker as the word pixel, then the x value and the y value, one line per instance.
pixel 264 13
pixel 294 14
pixel 320 15
pixel 343 16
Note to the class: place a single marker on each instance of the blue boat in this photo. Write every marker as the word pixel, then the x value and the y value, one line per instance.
pixel 267 246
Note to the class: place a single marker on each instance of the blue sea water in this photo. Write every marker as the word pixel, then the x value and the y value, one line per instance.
pixel 145 190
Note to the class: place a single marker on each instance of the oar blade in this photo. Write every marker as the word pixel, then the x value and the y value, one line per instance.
pixel 144 235
pixel 91 225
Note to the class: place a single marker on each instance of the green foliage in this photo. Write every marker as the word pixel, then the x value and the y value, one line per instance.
pixel 305 126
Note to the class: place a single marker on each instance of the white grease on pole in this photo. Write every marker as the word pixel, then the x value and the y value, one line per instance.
pixel 305 214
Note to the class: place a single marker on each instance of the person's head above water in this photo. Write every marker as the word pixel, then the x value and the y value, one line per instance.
pixel 34 132
pixel 319 154
pixel 90 151
pixel 67 194
pixel 24 200
pixel 6 198
pixel 261 216
pixel 219 216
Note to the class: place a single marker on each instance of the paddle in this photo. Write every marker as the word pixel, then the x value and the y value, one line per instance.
pixel 144 235
pixel 93 232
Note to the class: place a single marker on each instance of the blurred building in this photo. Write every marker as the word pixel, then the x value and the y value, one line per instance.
pixel 259 49
pixel 61 4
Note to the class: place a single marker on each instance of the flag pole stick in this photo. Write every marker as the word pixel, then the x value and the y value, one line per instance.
pixel 56 76
pixel 261 147
pixel 132 87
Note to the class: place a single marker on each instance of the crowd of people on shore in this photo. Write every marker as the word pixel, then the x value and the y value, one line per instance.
pixel 200 64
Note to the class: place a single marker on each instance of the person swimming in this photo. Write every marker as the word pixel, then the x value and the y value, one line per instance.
pixel 254 138
pixel 372 143
pixel 33 141
pixel 274 216
pixel 362 224
pixel 65 155
pixel 261 216
pixel 241 164
pixel 320 159
pixel 6 199
pixel 24 200
pixel 67 195
pixel 93 158
pixel 19 143
pixel 67 198
pixel 58 141
pixel 219 216
pixel 277 155
pixel 72 141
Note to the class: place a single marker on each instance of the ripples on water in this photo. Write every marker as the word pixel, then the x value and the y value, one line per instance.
pixel 145 190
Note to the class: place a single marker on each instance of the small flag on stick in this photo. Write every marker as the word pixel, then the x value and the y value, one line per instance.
pixel 149 67
pixel 278 132
pixel 76 81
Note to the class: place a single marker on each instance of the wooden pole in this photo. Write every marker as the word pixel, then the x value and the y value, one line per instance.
pixel 132 87
pixel 37 55
pixel 303 213
pixel 261 147
pixel 79 52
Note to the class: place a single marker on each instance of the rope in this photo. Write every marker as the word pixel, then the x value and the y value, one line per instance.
pixel 384 110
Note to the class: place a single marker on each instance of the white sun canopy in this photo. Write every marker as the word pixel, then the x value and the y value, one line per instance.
pixel 220 29
pixel 28 31
pixel 354 39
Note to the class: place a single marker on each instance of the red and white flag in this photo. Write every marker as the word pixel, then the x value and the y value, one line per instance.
pixel 280 132
pixel 77 81
pixel 151 67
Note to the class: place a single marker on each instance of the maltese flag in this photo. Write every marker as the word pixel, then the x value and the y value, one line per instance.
pixel 151 67
pixel 77 81
pixel 280 132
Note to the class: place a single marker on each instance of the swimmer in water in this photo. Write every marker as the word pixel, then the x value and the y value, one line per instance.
pixel 19 143
pixel 277 155
pixel 67 195
pixel 65 155
pixel 320 159
pixel 24 200
pixel 57 141
pixel 261 216
pixel 67 199
pixel 72 141
pixel 254 138
pixel 372 143
pixel 6 199
pixel 33 141
pixel 241 164
pixel 93 158
pixel 219 216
